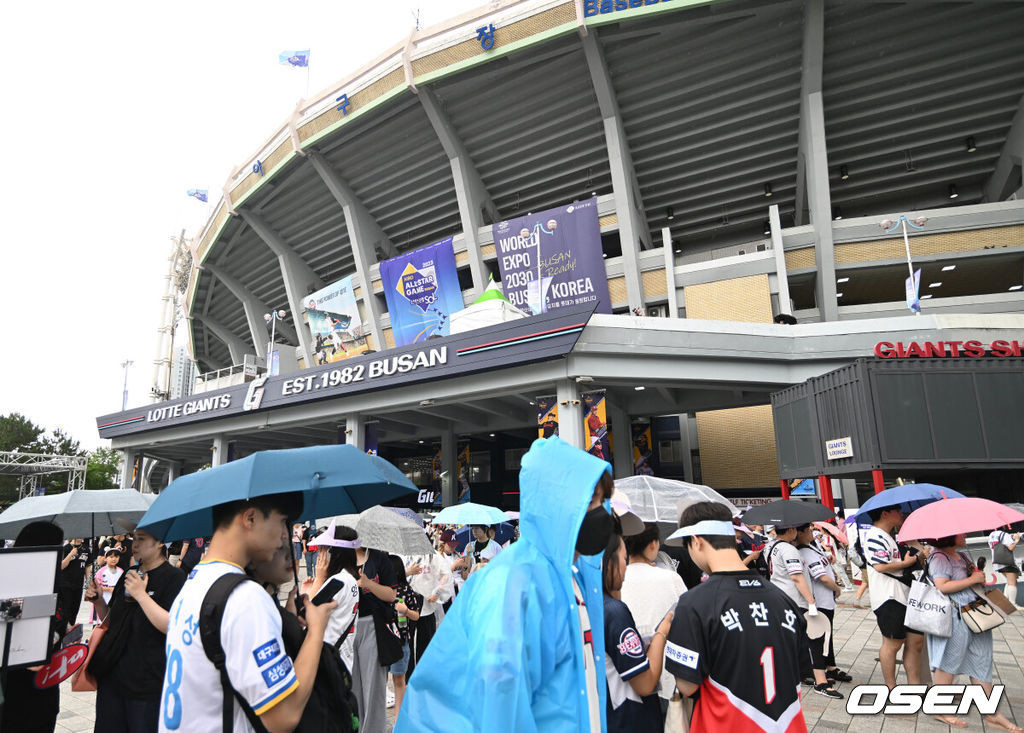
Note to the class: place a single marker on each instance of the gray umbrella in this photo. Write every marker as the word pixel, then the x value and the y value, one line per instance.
pixel 382 529
pixel 79 513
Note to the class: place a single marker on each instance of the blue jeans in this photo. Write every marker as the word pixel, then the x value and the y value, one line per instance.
pixel 310 563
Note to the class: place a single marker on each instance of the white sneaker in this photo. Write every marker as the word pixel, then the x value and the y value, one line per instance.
pixel 389 699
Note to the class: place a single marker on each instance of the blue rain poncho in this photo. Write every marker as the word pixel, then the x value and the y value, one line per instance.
pixel 508 655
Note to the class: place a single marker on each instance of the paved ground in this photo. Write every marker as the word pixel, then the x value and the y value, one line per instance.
pixel 857 642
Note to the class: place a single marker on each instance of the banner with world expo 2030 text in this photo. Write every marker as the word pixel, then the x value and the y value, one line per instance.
pixel 552 259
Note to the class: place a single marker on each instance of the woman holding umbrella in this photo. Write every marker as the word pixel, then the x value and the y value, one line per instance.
pixel 953 573
pixel 964 652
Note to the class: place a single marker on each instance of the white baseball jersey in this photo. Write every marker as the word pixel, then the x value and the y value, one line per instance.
pixel 343 618
pixel 255 658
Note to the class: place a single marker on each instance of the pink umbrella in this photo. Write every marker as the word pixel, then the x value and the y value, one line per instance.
pixel 948 517
pixel 833 530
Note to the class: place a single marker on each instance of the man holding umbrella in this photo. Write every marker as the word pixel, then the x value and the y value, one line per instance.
pixel 274 688
pixel 886 568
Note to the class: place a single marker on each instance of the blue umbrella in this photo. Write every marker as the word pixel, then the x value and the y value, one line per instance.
pixel 333 479
pixel 502 534
pixel 470 513
pixel 907 497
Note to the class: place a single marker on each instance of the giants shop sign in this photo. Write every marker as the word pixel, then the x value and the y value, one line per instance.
pixel 940 349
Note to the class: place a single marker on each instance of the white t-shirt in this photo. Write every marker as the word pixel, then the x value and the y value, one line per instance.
pixel 489 552
pixel 819 565
pixel 880 548
pixel 107 578
pixel 192 698
pixel 650 592
pixel 785 562
pixel 343 618
pixel 435 577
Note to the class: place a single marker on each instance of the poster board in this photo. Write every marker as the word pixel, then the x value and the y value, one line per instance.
pixel 29 573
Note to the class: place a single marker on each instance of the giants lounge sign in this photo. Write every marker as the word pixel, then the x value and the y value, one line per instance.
pixel 943 349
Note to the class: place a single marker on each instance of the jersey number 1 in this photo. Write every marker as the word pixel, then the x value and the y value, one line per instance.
pixel 768 669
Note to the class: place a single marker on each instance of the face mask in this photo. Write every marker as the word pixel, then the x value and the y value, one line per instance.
pixel 595 531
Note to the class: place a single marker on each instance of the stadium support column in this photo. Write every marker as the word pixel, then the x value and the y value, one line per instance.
pixel 1002 182
pixel 355 431
pixel 570 413
pixel 449 466
pixel 634 234
pixel 299 278
pixel 781 274
pixel 813 55
pixel 821 208
pixel 470 190
pixel 254 310
pixel 219 453
pixel 236 346
pixel 364 235
pixel 622 451
pixel 127 466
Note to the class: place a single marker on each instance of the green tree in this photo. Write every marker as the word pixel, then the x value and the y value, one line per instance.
pixel 17 432
pixel 101 472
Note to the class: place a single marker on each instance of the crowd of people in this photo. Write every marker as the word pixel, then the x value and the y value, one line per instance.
pixel 583 620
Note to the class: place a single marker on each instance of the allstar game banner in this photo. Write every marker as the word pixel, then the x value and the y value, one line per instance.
pixel 552 259
pixel 422 291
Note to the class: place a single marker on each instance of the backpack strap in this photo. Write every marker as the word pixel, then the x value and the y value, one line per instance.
pixel 211 613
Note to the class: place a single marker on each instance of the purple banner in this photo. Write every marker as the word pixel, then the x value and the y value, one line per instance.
pixel 552 259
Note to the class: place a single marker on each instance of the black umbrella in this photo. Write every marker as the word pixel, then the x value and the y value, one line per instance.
pixel 788 513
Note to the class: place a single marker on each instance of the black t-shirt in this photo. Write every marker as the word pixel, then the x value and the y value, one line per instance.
pixel 412 600
pixel 741 639
pixel 378 569
pixel 626 657
pixel 194 553
pixel 73 576
pixel 139 673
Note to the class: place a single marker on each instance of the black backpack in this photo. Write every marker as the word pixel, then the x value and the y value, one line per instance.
pixel 332 706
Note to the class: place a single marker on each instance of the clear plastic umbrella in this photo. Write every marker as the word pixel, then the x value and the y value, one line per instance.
pixel 656 499
pixel 381 528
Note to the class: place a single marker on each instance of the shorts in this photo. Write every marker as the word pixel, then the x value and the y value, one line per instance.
pixel 400 667
pixel 890 616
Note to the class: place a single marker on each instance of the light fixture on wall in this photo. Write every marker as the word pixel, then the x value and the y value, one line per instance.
pixel 837 213
pixel 969 144
pixel 766 228
pixel 670 214
pixel 953 193
pixel 767 190
pixel 844 172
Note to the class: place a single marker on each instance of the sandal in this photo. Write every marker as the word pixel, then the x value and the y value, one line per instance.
pixel 837 675
pixel 827 690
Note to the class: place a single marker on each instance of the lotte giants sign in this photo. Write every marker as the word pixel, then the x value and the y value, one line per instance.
pixel 941 349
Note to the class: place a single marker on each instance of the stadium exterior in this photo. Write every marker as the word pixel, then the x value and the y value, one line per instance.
pixel 742 154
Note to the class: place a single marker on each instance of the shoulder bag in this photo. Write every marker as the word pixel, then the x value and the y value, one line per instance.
pixel 928 609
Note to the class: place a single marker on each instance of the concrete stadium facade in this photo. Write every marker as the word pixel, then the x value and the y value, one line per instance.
pixel 742 155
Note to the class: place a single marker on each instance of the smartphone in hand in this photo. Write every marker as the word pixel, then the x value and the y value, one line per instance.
pixel 327 592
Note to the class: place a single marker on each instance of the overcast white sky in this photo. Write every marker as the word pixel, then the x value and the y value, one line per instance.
pixel 110 113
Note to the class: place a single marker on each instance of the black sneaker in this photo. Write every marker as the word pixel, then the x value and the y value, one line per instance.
pixel 837 675
pixel 827 690
pixel 807 682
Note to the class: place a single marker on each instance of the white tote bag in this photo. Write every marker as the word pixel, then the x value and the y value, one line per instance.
pixel 929 609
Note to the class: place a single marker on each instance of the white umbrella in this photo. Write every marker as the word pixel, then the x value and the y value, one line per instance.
pixel 380 528
pixel 656 499
pixel 80 513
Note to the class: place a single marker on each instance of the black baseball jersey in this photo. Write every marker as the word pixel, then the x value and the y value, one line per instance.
pixel 730 633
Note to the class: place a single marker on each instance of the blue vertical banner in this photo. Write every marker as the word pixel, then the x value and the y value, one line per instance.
pixel 422 291
pixel 914 292
pixel 552 259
